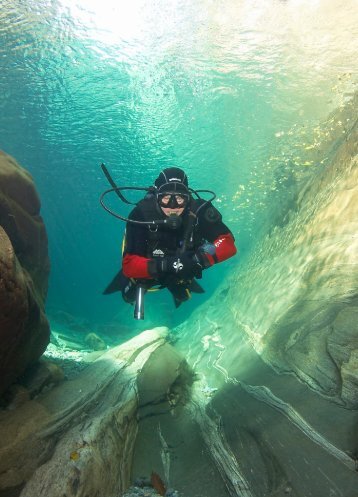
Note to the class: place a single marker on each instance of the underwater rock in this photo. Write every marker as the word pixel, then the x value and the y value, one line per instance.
pixel 42 375
pixel 16 396
pixel 21 220
pixel 38 377
pixel 95 342
pixel 24 269
pixel 317 334
pixel 169 442
pixel 342 345
pixel 68 340
pixel 349 373
pixel 147 490
pixel 77 439
pixel 67 320
pixel 280 352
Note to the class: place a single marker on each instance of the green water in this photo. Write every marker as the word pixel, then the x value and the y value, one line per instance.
pixel 238 93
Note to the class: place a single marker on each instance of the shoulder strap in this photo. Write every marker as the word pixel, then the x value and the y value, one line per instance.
pixel 191 222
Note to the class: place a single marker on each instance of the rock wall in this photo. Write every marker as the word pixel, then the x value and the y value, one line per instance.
pixel 278 357
pixel 24 269
pixel 301 309
pixel 295 300
pixel 317 337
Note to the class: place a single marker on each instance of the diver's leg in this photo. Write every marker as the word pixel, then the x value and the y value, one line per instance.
pixel 117 284
pixel 180 292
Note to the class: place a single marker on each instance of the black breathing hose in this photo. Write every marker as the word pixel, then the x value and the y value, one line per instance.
pixel 173 221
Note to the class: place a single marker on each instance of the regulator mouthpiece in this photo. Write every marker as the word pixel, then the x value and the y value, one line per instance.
pixel 174 221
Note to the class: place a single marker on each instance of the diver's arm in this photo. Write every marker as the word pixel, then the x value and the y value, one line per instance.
pixel 225 248
pixel 135 266
pixel 215 231
pixel 135 261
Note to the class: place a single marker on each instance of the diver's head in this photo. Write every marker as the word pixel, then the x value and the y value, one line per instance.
pixel 172 191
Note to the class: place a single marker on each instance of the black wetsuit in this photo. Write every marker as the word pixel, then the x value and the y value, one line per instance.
pixel 143 243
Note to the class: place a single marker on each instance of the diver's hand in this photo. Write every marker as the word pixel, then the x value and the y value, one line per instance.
pixel 183 266
pixel 204 255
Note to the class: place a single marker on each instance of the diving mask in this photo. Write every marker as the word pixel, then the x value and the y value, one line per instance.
pixel 173 200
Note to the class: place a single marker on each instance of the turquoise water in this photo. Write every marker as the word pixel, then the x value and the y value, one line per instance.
pixel 237 93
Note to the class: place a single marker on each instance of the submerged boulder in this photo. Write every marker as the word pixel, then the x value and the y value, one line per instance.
pixel 24 269
pixel 78 438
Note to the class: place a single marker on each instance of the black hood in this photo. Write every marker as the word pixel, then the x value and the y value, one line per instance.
pixel 172 179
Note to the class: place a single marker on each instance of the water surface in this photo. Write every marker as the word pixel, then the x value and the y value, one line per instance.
pixel 238 93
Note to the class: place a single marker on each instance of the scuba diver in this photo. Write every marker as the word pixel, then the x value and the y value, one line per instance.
pixel 171 236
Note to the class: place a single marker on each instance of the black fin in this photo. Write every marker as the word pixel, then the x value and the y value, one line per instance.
pixel 180 294
pixel 117 284
pixel 177 302
pixel 195 287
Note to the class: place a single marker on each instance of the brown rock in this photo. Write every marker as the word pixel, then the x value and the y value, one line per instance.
pixel 43 374
pixel 24 268
pixel 19 216
pixel 18 396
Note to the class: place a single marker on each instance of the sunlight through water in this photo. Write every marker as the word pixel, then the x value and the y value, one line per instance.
pixel 237 93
